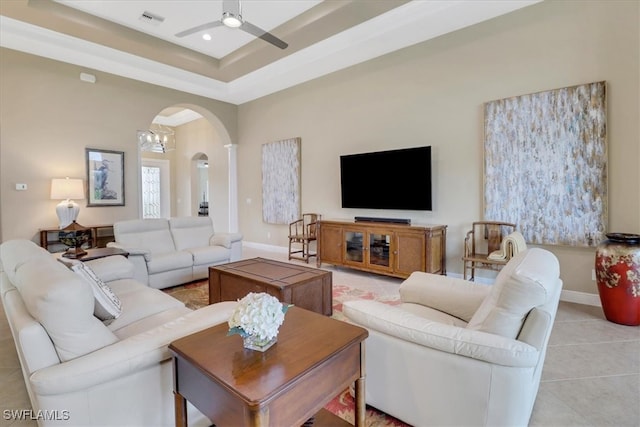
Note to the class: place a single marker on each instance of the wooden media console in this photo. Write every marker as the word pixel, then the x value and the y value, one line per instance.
pixel 385 248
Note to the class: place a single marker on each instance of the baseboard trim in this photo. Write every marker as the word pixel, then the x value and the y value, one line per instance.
pixel 581 298
pixel 265 247
pixel 577 297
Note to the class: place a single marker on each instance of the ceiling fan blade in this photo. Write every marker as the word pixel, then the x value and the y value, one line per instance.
pixel 264 35
pixel 231 6
pixel 199 28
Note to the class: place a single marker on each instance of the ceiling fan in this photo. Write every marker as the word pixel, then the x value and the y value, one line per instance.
pixel 232 18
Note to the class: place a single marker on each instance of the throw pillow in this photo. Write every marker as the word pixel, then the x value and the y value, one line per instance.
pixel 68 262
pixel 107 304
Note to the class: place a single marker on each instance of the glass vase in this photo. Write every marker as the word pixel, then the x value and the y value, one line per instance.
pixel 254 343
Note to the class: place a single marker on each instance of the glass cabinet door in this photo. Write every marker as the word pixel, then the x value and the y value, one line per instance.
pixel 379 249
pixel 354 246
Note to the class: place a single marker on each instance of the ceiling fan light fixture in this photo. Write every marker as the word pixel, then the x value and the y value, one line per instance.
pixel 231 20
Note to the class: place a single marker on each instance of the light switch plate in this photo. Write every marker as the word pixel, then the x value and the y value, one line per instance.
pixel 21 187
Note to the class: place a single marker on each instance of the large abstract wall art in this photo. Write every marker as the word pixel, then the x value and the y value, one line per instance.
pixel 545 164
pixel 281 181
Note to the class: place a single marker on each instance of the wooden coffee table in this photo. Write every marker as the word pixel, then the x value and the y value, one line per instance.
pixel 315 358
pixel 305 287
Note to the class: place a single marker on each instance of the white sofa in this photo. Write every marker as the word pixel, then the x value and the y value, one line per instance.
pixel 78 370
pixel 170 252
pixel 458 353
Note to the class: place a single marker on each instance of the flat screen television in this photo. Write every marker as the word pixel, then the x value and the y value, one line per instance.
pixel 394 179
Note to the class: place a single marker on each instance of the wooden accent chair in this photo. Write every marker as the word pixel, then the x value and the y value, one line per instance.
pixel 484 238
pixel 301 233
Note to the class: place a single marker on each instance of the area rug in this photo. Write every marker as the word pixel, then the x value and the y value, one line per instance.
pixel 342 293
pixel 196 295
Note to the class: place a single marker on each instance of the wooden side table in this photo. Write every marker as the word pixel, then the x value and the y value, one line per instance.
pixel 96 238
pixel 315 358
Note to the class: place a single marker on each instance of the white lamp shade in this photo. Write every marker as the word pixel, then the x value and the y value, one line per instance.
pixel 66 189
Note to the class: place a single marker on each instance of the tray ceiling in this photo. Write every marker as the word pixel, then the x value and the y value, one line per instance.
pixel 136 39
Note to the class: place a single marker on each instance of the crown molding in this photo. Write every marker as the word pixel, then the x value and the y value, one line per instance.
pixel 406 25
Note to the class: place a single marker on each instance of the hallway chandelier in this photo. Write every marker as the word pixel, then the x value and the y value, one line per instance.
pixel 158 139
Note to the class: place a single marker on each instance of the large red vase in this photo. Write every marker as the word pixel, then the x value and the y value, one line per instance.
pixel 618 277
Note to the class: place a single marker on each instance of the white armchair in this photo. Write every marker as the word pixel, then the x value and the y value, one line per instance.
pixel 459 353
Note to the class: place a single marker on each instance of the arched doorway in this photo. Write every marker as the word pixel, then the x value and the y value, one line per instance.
pixel 198 135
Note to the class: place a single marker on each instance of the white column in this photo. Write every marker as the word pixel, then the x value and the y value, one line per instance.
pixel 232 150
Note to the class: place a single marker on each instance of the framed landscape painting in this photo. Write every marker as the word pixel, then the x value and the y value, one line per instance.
pixel 105 177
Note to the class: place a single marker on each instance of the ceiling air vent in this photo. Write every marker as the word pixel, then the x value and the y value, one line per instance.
pixel 151 18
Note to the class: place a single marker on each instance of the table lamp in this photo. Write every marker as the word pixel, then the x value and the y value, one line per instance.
pixel 66 189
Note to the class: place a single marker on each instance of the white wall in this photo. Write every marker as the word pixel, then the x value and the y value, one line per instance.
pixel 433 94
pixel 199 136
pixel 428 94
pixel 49 116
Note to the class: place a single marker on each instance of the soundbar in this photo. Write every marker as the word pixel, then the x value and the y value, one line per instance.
pixel 406 221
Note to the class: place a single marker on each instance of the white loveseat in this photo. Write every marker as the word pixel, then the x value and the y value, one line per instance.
pixel 458 353
pixel 78 370
pixel 170 252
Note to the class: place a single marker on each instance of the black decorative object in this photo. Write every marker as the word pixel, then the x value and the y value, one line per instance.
pixel 75 236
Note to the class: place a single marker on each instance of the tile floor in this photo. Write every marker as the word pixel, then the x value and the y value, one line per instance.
pixel 591 375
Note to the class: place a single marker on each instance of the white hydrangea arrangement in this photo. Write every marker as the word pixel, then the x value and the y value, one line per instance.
pixel 259 315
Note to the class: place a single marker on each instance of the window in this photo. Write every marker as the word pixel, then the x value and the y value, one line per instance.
pixel 151 192
pixel 156 196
